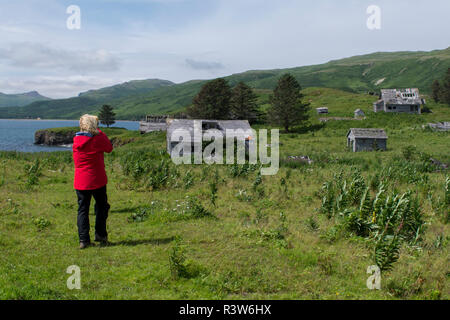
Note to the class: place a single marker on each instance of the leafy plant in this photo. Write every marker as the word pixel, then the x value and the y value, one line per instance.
pixel 32 173
pixel 41 223
pixel 196 210
pixel 312 223
pixel 213 188
pixel 177 259
pixel 328 195
pixel 258 180
pixel 140 215
pixel 188 179
pixel 409 152
pixel 180 266
pixel 387 252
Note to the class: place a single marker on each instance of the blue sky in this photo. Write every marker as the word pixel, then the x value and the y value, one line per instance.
pixel 180 40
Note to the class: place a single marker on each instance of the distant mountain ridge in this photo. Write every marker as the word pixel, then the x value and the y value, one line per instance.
pixel 85 102
pixel 370 72
pixel 20 99
pixel 126 89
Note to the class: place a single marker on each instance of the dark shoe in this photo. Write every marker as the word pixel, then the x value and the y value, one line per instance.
pixel 84 245
pixel 101 239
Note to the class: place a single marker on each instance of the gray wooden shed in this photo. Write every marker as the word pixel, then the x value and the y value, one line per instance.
pixel 359 139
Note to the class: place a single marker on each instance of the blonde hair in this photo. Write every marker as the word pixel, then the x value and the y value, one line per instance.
pixel 89 123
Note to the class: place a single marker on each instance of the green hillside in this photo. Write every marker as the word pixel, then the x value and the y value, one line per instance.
pixel 126 89
pixel 89 101
pixel 21 99
pixel 356 74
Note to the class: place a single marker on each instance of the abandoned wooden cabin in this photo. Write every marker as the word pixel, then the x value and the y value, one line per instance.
pixel 176 127
pixel 399 100
pixel 359 139
pixel 153 123
pixel 322 110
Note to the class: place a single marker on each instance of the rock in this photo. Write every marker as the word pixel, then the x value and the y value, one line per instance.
pixel 51 138
pixel 304 159
pixel 439 165
pixel 118 142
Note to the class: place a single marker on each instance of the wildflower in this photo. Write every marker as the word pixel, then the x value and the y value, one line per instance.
pixel 374 217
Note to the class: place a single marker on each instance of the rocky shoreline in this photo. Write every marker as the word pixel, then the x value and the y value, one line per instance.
pixel 52 138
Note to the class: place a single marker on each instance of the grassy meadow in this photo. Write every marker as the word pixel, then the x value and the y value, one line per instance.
pixel 225 232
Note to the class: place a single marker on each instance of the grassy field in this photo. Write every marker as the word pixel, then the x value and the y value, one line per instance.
pixel 224 232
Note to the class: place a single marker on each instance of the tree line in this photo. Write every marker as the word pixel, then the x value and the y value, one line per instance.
pixel 441 90
pixel 217 100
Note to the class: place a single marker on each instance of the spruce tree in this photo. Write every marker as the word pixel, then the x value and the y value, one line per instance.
pixel 244 103
pixel 107 116
pixel 445 91
pixel 287 108
pixel 212 102
pixel 436 91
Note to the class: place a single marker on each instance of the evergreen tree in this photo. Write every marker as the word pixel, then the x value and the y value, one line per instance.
pixel 107 116
pixel 436 91
pixel 243 103
pixel 287 108
pixel 212 102
pixel 445 91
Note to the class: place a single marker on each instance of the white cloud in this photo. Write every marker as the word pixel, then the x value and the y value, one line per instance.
pixel 204 65
pixel 198 40
pixel 36 55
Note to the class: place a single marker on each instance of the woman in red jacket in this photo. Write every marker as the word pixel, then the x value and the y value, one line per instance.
pixel 89 146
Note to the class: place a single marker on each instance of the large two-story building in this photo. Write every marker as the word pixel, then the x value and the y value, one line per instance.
pixel 399 100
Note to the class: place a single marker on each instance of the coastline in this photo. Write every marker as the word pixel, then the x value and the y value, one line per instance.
pixel 60 120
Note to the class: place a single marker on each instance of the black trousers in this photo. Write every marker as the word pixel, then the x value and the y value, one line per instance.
pixel 101 212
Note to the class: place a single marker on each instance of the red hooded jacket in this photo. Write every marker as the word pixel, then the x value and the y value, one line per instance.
pixel 89 162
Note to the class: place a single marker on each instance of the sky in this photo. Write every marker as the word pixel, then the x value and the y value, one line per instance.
pixel 181 40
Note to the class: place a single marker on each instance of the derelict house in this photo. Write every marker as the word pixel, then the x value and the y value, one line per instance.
pixel 399 100
pixel 322 110
pixel 367 139
pixel 177 126
pixel 153 123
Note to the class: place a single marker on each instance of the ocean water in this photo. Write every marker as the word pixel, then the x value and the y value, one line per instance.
pixel 18 135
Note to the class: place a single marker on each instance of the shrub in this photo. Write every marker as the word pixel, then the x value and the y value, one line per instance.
pixel 312 224
pixel 196 210
pixel 180 266
pixel 409 152
pixel 387 251
pixel 140 215
pixel 32 173
pixel 177 259
pixel 41 223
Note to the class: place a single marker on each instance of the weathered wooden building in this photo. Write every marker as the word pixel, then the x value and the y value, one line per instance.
pixel 399 100
pixel 153 123
pixel 359 139
pixel 175 127
pixel 322 110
